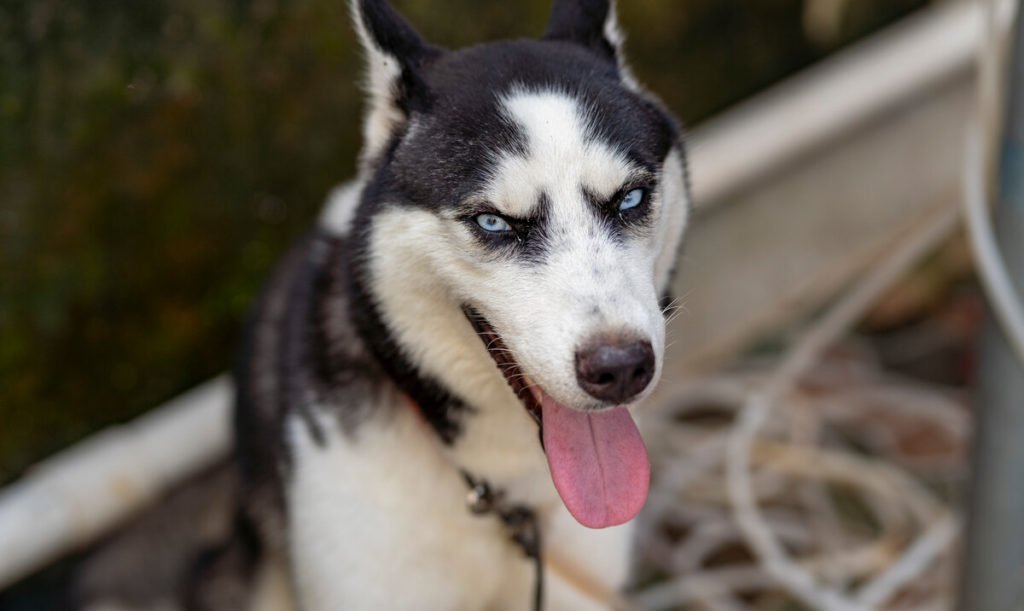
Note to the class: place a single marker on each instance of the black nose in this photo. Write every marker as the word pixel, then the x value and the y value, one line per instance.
pixel 615 371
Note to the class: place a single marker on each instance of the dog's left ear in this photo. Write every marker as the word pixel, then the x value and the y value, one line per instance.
pixel 591 23
pixel 395 55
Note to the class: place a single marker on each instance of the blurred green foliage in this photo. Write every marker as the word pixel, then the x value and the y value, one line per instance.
pixel 157 156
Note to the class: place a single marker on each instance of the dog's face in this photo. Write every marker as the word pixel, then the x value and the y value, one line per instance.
pixel 539 191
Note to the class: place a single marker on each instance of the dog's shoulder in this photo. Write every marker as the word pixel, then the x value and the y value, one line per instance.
pixel 301 357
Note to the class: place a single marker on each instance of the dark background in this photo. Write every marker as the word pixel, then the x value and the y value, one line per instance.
pixel 156 157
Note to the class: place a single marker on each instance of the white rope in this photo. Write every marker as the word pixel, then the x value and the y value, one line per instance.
pixel 757 408
pixel 915 560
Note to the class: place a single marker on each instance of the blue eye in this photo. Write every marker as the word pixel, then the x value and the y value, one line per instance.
pixel 492 223
pixel 632 199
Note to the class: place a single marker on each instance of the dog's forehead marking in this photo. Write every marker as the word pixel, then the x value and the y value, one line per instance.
pixel 563 156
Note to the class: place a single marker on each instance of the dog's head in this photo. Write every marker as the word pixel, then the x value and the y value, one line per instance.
pixel 533 186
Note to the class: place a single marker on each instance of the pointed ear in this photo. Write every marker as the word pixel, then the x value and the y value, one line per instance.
pixel 591 23
pixel 395 56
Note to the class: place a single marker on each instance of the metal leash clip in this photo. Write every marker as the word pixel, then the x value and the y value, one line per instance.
pixel 520 522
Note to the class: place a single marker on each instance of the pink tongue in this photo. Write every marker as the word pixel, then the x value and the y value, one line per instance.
pixel 598 463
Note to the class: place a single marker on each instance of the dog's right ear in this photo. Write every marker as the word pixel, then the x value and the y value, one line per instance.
pixel 395 55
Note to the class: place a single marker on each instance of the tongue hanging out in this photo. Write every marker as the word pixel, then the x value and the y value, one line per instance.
pixel 597 459
pixel 598 463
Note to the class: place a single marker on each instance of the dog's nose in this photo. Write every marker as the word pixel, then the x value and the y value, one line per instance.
pixel 615 372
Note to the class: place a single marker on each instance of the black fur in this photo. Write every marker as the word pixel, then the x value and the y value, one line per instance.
pixel 316 344
pixel 393 35
pixel 441 408
pixel 582 22
pixel 617 223
pixel 221 578
pixel 323 346
pixel 260 409
pixel 528 239
pixel 449 155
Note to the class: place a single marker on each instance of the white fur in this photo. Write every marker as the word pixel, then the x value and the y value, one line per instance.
pixel 613 34
pixel 383 116
pixel 560 157
pixel 421 309
pixel 588 283
pixel 368 532
pixel 340 209
pixel 410 541
pixel 674 194
pixel 543 312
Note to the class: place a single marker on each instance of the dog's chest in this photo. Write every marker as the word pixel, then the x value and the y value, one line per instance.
pixel 380 520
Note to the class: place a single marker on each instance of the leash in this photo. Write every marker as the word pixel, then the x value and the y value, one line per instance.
pixel 520 521
pixel 523 529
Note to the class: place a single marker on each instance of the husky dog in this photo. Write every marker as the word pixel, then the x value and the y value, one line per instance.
pixel 476 313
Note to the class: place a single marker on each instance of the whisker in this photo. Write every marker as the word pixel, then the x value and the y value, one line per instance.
pixel 675 315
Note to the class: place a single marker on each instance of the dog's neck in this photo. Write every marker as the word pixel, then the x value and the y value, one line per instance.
pixel 441 408
pixel 455 384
